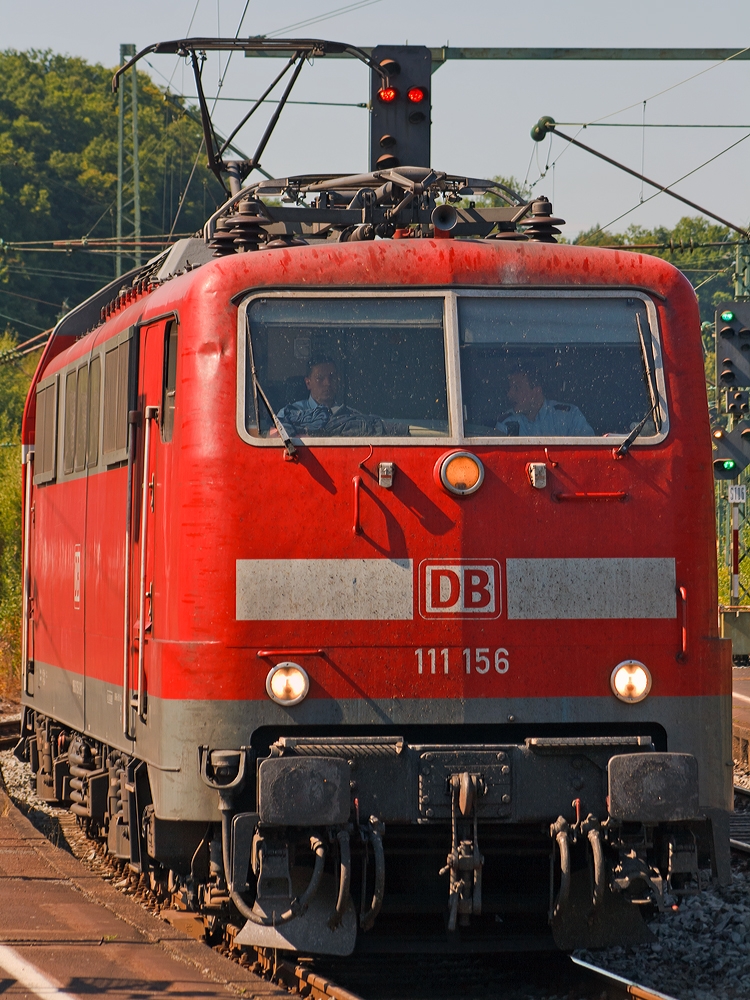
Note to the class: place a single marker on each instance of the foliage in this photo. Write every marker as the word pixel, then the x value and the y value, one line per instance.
pixel 710 269
pixel 492 201
pixel 14 383
pixel 58 177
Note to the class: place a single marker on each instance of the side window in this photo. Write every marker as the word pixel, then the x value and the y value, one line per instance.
pixel 170 381
pixel 81 418
pixel 69 428
pixel 45 435
pixel 95 383
pixel 118 380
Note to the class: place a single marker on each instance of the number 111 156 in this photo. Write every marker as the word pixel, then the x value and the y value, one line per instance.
pixel 481 661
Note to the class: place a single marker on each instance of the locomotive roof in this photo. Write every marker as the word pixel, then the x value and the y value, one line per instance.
pixel 400 263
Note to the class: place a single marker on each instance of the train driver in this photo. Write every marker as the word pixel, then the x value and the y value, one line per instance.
pixel 311 416
pixel 534 416
pixel 321 415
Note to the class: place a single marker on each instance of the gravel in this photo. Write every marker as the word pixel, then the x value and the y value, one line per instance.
pixel 700 952
pixel 21 787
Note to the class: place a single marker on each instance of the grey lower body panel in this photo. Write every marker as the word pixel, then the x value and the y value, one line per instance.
pixel 168 741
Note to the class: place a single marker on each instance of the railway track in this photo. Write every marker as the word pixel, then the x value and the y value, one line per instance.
pixel 368 977
pixel 582 980
pixel 375 977
pixel 739 822
pixel 9 730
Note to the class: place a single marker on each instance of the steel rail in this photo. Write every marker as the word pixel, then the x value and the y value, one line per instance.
pixel 618 986
pixel 739 845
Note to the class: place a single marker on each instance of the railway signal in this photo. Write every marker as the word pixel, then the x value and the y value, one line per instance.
pixel 731 450
pixel 733 345
pixel 400 116
pixel 738 402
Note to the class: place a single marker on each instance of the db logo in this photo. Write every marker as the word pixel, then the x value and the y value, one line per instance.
pixel 466 588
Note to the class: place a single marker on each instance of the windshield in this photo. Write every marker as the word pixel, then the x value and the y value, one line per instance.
pixel 534 365
pixel 347 367
pixel 555 367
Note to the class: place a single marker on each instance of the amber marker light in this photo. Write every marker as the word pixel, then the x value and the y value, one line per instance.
pixel 287 684
pixel 631 681
pixel 461 473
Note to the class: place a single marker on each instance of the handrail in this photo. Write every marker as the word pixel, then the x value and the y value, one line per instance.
pixel 28 462
pixel 151 413
pixel 616 495
pixel 683 654
pixel 263 653
pixel 133 419
pixel 357 528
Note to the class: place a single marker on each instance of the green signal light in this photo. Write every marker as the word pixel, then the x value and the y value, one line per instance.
pixel 727 316
pixel 728 464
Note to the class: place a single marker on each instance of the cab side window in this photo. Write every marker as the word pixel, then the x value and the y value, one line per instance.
pixel 81 418
pixel 170 381
pixel 69 439
pixel 45 437
pixel 95 383
pixel 119 391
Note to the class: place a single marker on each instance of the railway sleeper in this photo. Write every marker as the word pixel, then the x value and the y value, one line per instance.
pixel 348 835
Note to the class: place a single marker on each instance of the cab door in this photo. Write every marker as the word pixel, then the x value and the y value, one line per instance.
pixel 147 514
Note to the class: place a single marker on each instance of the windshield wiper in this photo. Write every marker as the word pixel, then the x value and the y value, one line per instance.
pixel 625 446
pixel 650 378
pixel 258 388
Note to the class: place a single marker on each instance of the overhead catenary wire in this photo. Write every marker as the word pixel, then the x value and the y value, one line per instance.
pixel 548 126
pixel 222 77
pixel 674 86
pixel 711 277
pixel 29 298
pixel 602 120
pixel 49 273
pixel 324 104
pixel 631 124
pixel 13 319
pixel 327 16
pixel 37 336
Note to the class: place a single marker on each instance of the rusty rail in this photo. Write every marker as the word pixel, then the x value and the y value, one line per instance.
pixel 301 979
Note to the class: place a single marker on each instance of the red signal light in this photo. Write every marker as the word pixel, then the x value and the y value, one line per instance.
pixel 416 95
pixel 387 94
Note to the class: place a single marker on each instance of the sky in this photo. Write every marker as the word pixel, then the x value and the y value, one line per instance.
pixel 482 112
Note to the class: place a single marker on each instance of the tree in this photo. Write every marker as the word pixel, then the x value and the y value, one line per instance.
pixel 58 177
pixel 709 269
pixel 15 375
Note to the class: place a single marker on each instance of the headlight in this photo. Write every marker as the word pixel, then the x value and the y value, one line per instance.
pixel 461 473
pixel 287 684
pixel 631 681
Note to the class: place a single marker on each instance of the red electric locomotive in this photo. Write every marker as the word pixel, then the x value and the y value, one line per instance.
pixel 371 575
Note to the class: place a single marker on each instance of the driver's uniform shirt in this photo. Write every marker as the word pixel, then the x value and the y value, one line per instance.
pixel 553 420
pixel 306 416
